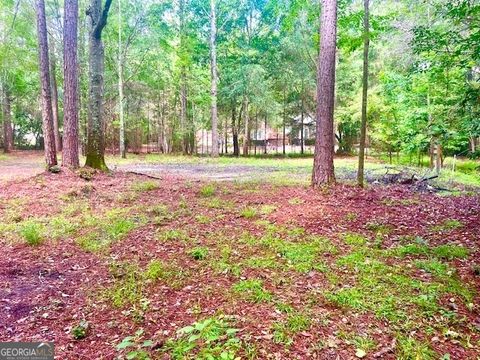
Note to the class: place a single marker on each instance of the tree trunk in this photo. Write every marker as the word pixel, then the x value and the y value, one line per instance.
pixel 265 150
pixel 96 132
pixel 7 121
pixel 123 152
pixel 284 121
pixel 438 158
pixel 363 127
pixel 302 140
pixel 473 144
pixel 71 96
pixel 46 90
pixel 53 79
pixel 246 136
pixel 214 74
pixel 323 168
pixel 236 147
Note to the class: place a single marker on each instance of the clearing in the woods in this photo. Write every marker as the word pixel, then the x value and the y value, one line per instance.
pixel 212 259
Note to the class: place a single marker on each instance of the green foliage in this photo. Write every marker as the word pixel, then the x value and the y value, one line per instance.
pixel 80 331
pixel 450 252
pixel 252 290
pixel 145 186
pixel 208 190
pixel 135 347
pixel 199 253
pixel 248 213
pixel 33 232
pixel 211 338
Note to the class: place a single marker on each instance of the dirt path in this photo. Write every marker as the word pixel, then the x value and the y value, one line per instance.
pixel 20 165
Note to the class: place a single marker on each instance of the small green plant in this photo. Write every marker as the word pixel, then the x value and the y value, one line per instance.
pixel 284 331
pixel 145 186
pixel 447 225
pixel 211 338
pixel 248 213
pixel 207 190
pixel 252 290
pixel 411 349
pixel 450 252
pixel 33 232
pixel 128 285
pixel 199 253
pixel 351 216
pixel 354 239
pixel 267 209
pixel 155 270
pixel 174 235
pixel 80 331
pixel 203 219
pixel 135 347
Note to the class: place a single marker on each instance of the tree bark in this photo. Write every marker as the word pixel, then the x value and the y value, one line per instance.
pixel 96 134
pixel 302 140
pixel 265 149
pixel 53 81
pixel 46 90
pixel 284 121
pixel 214 74
pixel 363 127
pixel 121 116
pixel 71 97
pixel 7 121
pixel 236 147
pixel 246 135
pixel 323 168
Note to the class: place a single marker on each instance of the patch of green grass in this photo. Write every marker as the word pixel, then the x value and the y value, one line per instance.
pixel 199 253
pixel 267 209
pixel 262 262
pixel 145 186
pixel 295 201
pixel 207 190
pixel 433 266
pixel 354 239
pixel 409 348
pixel 450 252
pixel 128 285
pixel 203 219
pixel 379 228
pixel 174 235
pixel 284 331
pixel 248 213
pixel 33 232
pixel 155 270
pixel 252 290
pixel 447 225
pixel 211 338
pixel 411 249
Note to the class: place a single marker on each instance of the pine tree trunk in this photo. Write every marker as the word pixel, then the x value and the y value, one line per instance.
pixel 236 147
pixel 214 74
pixel 71 96
pixel 323 168
pixel 121 116
pixel 7 121
pixel 96 132
pixel 53 80
pixel 363 127
pixel 246 135
pixel 46 90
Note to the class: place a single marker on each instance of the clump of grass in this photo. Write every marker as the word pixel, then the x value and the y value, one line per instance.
pixel 248 213
pixel 379 228
pixel 203 219
pixel 207 190
pixel 252 290
pixel 174 235
pixel 447 225
pixel 145 186
pixel 33 232
pixel 267 209
pixel 354 239
pixel 411 249
pixel 199 253
pixel 284 331
pixel 155 270
pixel 128 286
pixel 295 201
pixel 450 252
pixel 409 349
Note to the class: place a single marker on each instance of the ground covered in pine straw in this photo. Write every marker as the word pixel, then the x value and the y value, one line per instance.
pixel 124 265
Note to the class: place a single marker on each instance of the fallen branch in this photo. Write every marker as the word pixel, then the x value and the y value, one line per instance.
pixel 142 174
